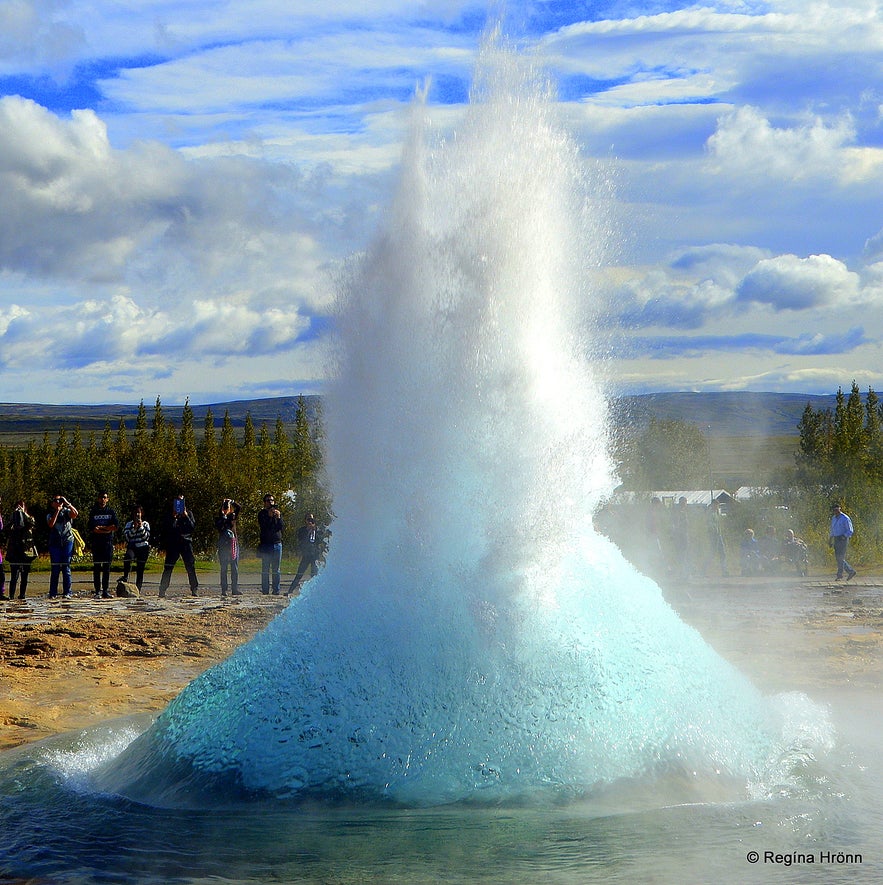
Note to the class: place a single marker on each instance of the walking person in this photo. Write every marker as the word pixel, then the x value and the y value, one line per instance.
pixel 178 539
pixel 228 544
pixel 311 544
pixel 840 533
pixel 20 551
pixel 270 547
pixel 102 530
pixel 137 534
pixel 61 545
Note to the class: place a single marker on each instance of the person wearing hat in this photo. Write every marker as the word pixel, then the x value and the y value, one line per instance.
pixel 840 533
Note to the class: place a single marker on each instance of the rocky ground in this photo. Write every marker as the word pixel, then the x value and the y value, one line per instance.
pixel 71 664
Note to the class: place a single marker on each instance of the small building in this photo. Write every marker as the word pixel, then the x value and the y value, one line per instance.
pixel 695 497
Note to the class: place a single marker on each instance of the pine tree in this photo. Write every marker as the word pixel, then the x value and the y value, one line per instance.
pixel 159 422
pixel 187 459
pixel 121 443
pixel 209 449
pixel 141 428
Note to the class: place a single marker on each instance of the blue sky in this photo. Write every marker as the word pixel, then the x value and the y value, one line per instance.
pixel 179 181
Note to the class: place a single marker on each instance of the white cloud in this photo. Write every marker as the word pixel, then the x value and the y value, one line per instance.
pixel 747 145
pixel 787 282
pixel 230 154
pixel 35 35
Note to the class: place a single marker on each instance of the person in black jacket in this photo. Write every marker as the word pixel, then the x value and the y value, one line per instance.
pixel 20 551
pixel 271 526
pixel 102 530
pixel 312 544
pixel 178 539
pixel 228 544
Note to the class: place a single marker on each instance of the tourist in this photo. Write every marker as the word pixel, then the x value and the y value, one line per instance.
pixel 137 534
pixel 749 551
pixel 102 529
pixel 270 545
pixel 794 550
pixel 61 544
pixel 228 544
pixel 178 539
pixel 312 543
pixel 20 551
pixel 840 532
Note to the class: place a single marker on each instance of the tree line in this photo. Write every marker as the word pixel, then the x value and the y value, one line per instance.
pixel 840 458
pixel 151 462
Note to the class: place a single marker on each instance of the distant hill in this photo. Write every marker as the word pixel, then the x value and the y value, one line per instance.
pixel 718 414
pixel 26 420
pixel 738 413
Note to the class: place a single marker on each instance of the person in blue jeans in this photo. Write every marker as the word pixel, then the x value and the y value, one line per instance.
pixel 270 546
pixel 61 544
pixel 840 532
pixel 228 544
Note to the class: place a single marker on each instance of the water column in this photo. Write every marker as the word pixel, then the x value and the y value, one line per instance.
pixel 472 637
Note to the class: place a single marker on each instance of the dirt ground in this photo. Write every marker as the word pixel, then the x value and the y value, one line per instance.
pixel 69 665
pixel 787 633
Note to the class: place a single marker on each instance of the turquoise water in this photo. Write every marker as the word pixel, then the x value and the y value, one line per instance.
pixel 54 828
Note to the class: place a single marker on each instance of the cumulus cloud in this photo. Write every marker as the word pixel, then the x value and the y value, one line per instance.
pixel 657 300
pixel 787 282
pixel 724 263
pixel 160 258
pixel 182 228
pixel 747 144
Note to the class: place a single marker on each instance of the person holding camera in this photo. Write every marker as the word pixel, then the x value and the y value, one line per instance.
pixel 228 544
pixel 178 539
pixel 271 527
pixel 312 544
pixel 137 534
pixel 20 551
pixel 61 545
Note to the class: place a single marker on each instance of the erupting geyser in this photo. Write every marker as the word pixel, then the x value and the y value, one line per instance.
pixel 472 637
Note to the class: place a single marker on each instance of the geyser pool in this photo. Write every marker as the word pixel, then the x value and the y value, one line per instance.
pixel 472 638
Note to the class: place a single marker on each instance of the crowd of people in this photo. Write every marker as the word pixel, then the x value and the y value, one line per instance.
pixel 175 538
pixel 767 554
pixel 672 543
